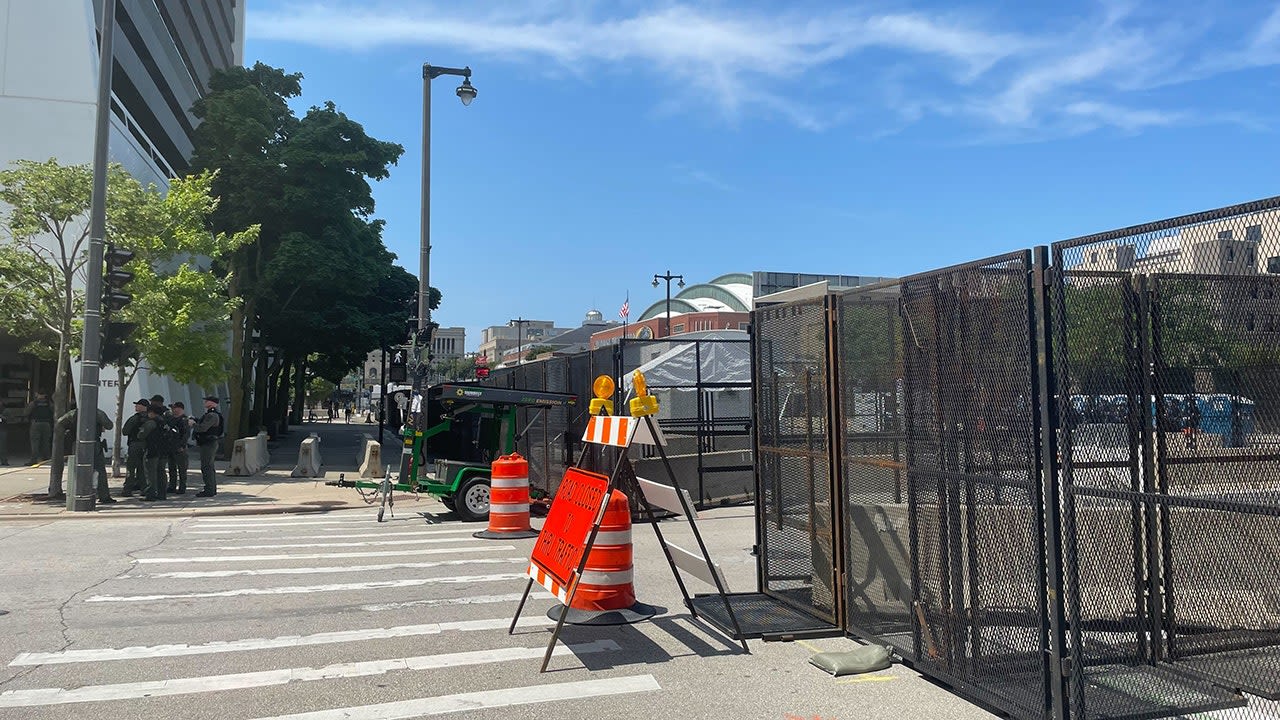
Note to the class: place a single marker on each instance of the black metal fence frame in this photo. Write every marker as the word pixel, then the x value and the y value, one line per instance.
pixel 1095 658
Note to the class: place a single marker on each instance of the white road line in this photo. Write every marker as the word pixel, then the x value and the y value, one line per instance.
pixel 191 574
pixel 204 524
pixel 473 600
pixel 239 681
pixel 139 652
pixel 309 589
pixel 367 543
pixel 323 556
pixel 388 533
pixel 507 697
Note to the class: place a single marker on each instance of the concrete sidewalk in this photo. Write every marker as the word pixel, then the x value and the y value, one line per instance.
pixel 23 489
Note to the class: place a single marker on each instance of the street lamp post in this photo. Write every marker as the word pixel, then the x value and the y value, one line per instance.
pixel 519 324
pixel 668 277
pixel 466 93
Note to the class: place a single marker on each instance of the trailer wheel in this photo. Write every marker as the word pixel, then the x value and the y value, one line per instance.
pixel 472 499
pixel 447 501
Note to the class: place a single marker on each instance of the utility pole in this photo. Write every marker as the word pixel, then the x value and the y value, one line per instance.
pixel 81 495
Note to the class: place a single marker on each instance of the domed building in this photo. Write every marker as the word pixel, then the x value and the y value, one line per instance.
pixel 721 304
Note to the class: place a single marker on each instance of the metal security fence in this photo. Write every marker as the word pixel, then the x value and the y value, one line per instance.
pixel 793 457
pixel 1057 471
pixel 704 391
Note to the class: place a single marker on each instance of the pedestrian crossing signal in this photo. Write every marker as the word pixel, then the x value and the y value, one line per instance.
pixel 397 371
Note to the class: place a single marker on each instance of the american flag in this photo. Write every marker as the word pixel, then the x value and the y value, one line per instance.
pixel 625 311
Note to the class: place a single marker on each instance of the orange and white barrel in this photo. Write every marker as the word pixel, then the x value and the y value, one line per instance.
pixel 607 581
pixel 508 499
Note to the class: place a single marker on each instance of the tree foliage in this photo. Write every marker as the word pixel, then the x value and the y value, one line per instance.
pixel 318 285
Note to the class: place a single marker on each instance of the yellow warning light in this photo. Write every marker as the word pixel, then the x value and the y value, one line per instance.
pixel 602 403
pixel 603 387
pixel 643 403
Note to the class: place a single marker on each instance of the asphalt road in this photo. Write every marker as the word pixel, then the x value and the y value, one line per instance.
pixel 271 616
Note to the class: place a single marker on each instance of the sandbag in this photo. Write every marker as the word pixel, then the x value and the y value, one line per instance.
pixel 868 658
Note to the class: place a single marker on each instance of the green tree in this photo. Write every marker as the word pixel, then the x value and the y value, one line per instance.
pixel 44 255
pixel 180 312
pixel 306 181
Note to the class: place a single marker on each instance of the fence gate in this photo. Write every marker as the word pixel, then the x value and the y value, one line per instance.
pixel 794 480
pixel 973 479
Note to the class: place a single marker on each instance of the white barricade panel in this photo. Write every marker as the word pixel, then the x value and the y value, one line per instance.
pixel 696 566
pixel 664 496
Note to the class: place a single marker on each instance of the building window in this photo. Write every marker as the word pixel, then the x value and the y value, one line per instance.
pixel 1224 234
pixel 1231 254
pixel 744 325
pixel 1273 264
pixel 1248 322
pixel 1253 257
pixel 679 328
pixel 1253 233
pixel 1093 258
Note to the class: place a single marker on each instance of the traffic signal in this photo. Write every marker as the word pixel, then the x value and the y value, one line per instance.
pixel 482 372
pixel 113 295
pixel 396 366
pixel 116 343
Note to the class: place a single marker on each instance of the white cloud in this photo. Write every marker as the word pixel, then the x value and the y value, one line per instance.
pixel 762 61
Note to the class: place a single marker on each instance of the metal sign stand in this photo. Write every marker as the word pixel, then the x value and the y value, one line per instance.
pixel 623 473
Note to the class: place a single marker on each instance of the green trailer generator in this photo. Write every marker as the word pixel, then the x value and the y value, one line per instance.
pixel 466 428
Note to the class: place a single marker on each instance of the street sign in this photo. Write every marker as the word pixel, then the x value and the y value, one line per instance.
pixel 563 540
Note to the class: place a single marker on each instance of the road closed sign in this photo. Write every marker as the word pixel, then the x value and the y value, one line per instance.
pixel 563 541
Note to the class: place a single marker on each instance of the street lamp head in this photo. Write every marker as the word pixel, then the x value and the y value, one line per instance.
pixel 681 283
pixel 655 281
pixel 466 91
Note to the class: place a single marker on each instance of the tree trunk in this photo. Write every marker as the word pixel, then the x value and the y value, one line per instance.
pixel 260 378
pixel 122 390
pixel 235 383
pixel 281 394
pixel 299 390
pixel 60 389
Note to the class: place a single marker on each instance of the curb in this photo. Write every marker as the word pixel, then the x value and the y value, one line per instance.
pixel 136 514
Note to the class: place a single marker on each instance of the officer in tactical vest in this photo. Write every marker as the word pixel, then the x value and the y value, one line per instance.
pixel 71 420
pixel 153 439
pixel 136 448
pixel 40 415
pixel 178 461
pixel 206 432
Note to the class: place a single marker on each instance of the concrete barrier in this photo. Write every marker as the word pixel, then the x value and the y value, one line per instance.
pixel 243 462
pixel 264 455
pixel 308 458
pixel 371 459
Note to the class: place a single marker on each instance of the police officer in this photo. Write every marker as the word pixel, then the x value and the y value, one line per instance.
pixel 136 448
pixel 152 434
pixel 178 461
pixel 206 432
pixel 40 415
pixel 71 420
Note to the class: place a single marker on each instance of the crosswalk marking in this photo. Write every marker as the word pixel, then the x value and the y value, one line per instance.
pixel 459 702
pixel 192 574
pixel 473 600
pixel 214 523
pixel 322 556
pixel 389 533
pixel 367 543
pixel 309 589
pixel 286 641
pixel 239 681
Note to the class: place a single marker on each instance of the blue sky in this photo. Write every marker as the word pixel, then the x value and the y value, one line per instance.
pixel 614 140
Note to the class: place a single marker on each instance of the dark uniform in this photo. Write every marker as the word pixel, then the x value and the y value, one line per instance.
pixel 178 460
pixel 4 436
pixel 206 433
pixel 71 420
pixel 136 449
pixel 154 454
pixel 40 415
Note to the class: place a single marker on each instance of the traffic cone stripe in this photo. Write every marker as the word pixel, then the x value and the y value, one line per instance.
pixel 501 482
pixel 508 508
pixel 613 537
pixel 613 577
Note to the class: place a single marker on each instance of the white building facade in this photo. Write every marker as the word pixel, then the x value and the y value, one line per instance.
pixel 165 51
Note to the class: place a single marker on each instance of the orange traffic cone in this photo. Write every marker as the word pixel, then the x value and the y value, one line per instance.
pixel 606 592
pixel 508 500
